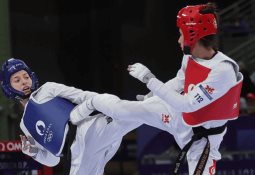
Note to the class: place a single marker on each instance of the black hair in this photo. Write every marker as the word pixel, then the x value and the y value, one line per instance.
pixel 210 40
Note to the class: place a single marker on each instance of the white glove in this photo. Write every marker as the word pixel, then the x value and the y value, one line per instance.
pixel 28 146
pixel 140 72
pixel 144 97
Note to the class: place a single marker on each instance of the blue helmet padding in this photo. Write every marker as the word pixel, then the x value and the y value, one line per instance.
pixel 10 67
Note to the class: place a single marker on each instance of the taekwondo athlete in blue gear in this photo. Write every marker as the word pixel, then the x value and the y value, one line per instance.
pixel 97 137
pixel 44 123
pixel 53 114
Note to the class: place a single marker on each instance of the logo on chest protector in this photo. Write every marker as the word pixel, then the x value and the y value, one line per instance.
pixel 40 127
pixel 108 119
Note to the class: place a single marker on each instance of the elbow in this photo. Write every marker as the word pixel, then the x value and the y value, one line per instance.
pixel 46 158
pixel 185 106
pixel 55 163
pixel 189 107
pixel 52 163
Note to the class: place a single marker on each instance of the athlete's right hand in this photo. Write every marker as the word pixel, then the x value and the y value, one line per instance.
pixel 140 72
pixel 28 146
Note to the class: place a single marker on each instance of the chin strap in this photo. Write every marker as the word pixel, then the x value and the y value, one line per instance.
pixel 187 50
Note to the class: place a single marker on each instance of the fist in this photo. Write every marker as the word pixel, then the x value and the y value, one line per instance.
pixel 140 72
pixel 144 97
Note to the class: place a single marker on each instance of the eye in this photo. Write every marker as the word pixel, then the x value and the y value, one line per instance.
pixel 26 76
pixel 16 80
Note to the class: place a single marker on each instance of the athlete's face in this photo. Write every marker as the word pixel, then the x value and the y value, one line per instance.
pixel 21 81
pixel 181 39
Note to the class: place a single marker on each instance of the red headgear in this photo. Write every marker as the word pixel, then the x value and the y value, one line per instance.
pixel 195 25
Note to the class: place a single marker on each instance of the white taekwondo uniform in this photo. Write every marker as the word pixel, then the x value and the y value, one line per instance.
pixel 97 137
pixel 223 74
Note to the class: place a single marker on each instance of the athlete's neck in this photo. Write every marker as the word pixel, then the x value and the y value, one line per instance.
pixel 202 52
pixel 24 102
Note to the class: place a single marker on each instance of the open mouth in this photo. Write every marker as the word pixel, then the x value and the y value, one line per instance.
pixel 26 90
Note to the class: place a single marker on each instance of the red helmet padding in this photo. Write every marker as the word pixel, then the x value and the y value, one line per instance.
pixel 195 25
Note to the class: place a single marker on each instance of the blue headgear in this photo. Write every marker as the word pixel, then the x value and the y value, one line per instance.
pixel 10 67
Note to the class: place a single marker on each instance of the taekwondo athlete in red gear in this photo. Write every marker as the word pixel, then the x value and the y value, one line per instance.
pixel 210 80
pixel 48 108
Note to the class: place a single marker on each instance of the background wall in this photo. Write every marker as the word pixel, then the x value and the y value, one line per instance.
pixel 88 44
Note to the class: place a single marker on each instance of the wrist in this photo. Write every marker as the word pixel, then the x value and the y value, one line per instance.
pixel 147 77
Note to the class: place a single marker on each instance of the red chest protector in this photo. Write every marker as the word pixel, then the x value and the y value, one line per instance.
pixel 226 107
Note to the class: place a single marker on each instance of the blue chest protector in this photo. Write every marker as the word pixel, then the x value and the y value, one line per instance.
pixel 46 122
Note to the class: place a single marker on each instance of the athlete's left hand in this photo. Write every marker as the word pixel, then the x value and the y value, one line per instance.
pixel 144 97
pixel 140 72
pixel 28 146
